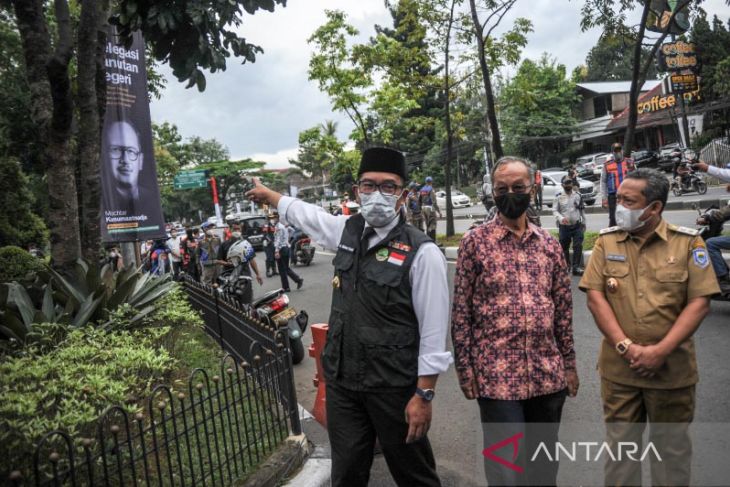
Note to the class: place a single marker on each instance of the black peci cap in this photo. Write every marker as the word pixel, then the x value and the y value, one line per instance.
pixel 383 159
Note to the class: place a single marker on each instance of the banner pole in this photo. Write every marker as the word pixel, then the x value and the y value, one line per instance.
pixel 214 187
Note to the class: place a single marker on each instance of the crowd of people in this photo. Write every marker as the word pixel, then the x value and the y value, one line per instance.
pixel 648 284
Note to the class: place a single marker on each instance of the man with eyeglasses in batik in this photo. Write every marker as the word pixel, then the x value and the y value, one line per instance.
pixel 511 326
pixel 125 161
pixel 386 343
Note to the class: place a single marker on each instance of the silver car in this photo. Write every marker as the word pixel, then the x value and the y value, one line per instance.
pixel 551 185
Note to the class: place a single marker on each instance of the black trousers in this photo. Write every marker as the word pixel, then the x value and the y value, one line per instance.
pixel 612 210
pixel 529 422
pixel 538 196
pixel 284 270
pixel 355 419
pixel 574 233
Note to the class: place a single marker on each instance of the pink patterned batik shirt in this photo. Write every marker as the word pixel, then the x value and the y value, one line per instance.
pixel 512 313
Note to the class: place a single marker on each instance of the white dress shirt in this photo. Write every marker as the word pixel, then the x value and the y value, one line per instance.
pixel 430 289
pixel 723 174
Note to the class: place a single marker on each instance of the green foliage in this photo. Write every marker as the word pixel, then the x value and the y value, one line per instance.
pixel 19 225
pixel 71 385
pixel 713 55
pixel 612 57
pixel 16 263
pixel 538 104
pixel 192 35
pixel 88 296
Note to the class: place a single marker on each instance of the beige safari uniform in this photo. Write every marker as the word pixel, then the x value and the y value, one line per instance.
pixel 648 284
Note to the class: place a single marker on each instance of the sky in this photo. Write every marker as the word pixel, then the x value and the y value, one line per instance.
pixel 258 109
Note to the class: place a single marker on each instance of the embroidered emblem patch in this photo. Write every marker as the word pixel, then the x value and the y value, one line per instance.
pixel 700 258
pixel 381 255
pixel 396 258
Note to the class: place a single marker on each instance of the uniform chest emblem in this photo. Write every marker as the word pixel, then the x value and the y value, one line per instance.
pixel 612 284
pixel 700 258
pixel 396 258
pixel 381 255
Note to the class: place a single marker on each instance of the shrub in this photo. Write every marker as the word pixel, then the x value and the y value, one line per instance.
pixel 70 386
pixel 16 263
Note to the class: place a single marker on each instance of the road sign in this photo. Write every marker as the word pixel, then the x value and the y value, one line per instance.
pixel 191 179
pixel 683 83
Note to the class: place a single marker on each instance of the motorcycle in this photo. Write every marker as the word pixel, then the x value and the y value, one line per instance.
pixel 302 250
pixel 273 308
pixel 709 229
pixel 687 179
pixel 236 280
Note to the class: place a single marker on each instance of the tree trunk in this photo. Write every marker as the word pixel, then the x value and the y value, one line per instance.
pixel 89 135
pixel 449 130
pixel 491 106
pixel 52 111
pixel 635 86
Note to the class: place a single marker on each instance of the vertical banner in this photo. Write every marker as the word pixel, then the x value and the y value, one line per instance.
pixel 131 209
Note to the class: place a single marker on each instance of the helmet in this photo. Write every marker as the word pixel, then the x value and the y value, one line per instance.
pixel 241 251
pixel 429 179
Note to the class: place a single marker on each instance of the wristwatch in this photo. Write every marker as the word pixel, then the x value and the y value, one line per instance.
pixel 623 346
pixel 427 394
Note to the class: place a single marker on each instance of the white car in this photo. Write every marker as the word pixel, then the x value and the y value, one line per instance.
pixel 551 185
pixel 458 199
pixel 594 162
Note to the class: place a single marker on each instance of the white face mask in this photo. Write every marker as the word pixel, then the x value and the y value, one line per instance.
pixel 629 220
pixel 378 209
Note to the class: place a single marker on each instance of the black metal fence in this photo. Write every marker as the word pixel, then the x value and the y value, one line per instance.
pixel 211 431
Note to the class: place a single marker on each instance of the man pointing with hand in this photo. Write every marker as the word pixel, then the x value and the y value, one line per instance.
pixel 386 342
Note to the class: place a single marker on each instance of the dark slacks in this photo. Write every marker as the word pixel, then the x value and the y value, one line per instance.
pixel 354 419
pixel 574 233
pixel 612 210
pixel 284 270
pixel 530 421
pixel 538 196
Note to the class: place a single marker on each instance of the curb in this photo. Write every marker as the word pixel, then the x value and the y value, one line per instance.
pixel 288 457
pixel 316 470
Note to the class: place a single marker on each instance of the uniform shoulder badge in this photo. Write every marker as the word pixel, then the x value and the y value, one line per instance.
pixel 700 257
pixel 684 230
pixel 609 230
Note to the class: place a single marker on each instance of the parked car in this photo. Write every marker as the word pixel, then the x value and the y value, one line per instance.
pixel 645 158
pixel 584 172
pixel 594 162
pixel 458 199
pixel 553 169
pixel 252 229
pixel 551 185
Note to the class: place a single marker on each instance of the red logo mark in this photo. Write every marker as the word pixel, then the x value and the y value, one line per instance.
pixel 515 441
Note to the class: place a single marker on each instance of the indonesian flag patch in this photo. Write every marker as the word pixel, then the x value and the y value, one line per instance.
pixel 396 258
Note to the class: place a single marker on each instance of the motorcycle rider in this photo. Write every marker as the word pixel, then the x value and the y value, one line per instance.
pixel 429 207
pixel 248 260
pixel 716 245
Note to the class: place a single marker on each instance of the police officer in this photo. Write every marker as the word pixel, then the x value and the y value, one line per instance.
pixel 429 207
pixel 568 213
pixel 386 343
pixel 613 173
pixel 648 284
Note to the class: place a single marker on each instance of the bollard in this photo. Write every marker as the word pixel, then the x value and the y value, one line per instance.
pixel 319 337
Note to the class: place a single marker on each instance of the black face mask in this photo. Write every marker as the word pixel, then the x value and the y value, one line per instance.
pixel 512 205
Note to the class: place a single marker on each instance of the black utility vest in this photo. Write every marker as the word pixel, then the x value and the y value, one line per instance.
pixel 373 339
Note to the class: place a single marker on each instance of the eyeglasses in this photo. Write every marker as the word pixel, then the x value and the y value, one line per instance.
pixel 387 188
pixel 130 153
pixel 517 189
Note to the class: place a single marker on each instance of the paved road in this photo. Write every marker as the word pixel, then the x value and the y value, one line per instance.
pixel 455 430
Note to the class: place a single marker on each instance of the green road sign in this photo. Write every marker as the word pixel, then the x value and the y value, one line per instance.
pixel 191 179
